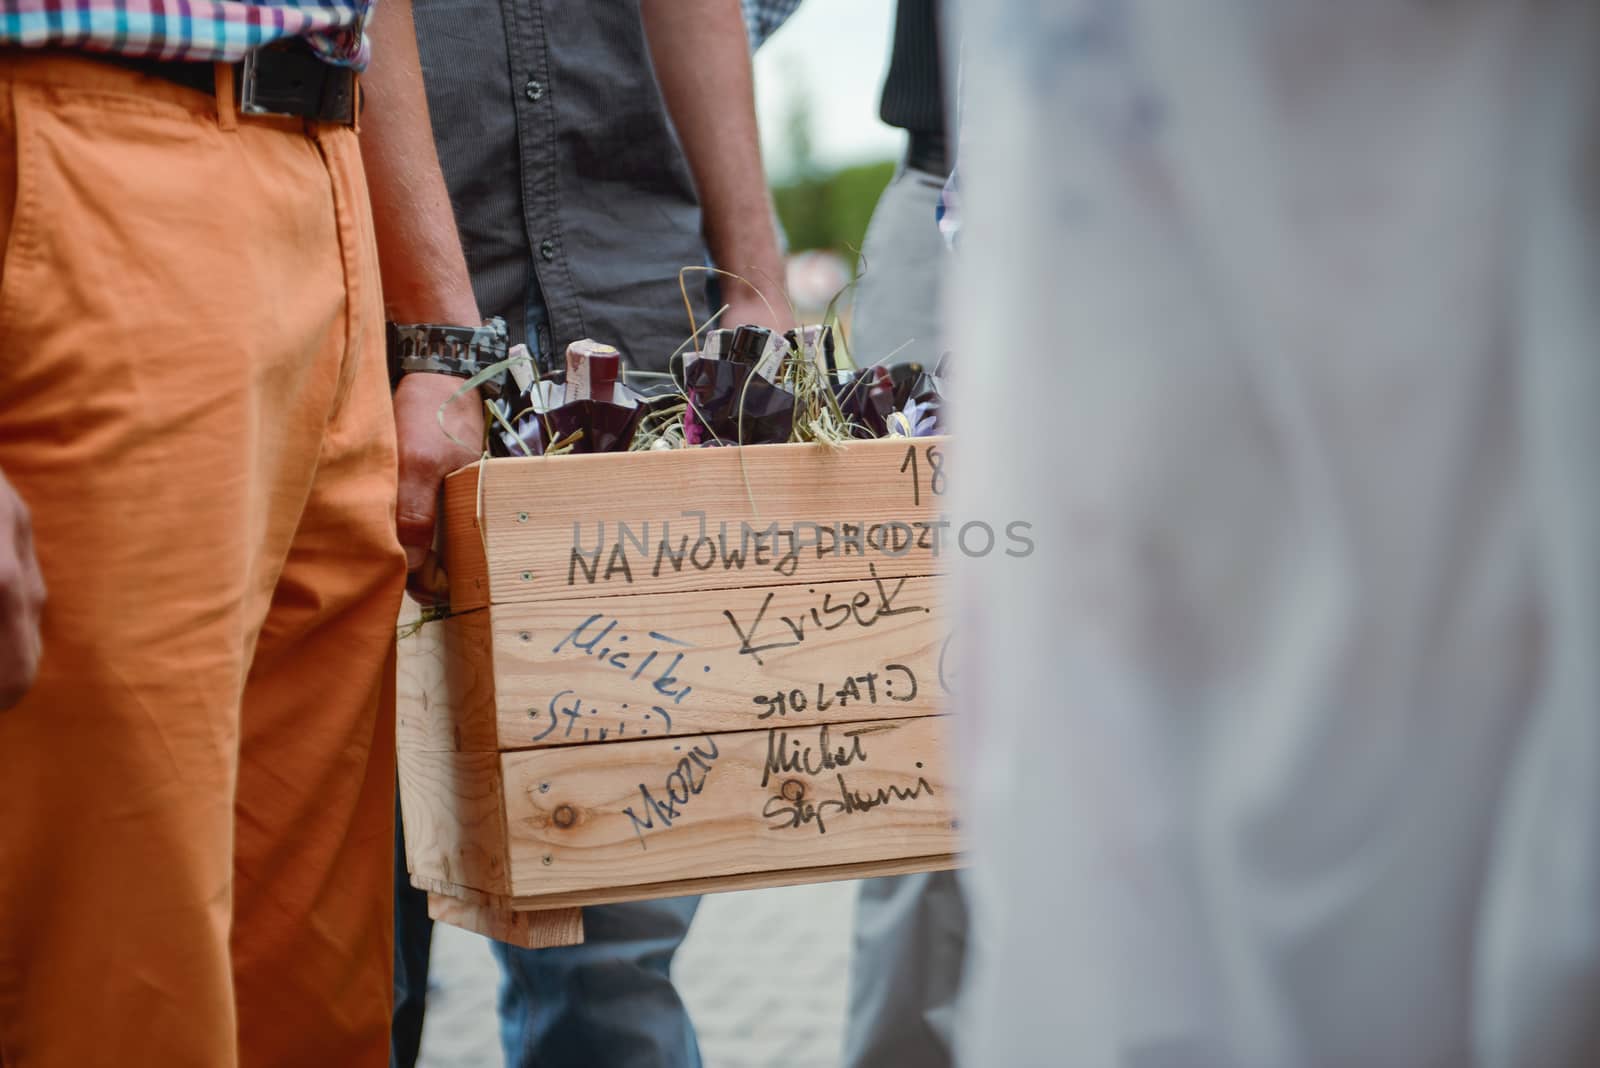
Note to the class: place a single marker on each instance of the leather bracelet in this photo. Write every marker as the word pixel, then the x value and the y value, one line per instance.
pixel 460 351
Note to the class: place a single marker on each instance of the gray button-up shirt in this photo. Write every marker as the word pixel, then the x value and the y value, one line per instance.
pixel 573 199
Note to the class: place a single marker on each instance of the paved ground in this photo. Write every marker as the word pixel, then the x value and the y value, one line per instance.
pixel 763 973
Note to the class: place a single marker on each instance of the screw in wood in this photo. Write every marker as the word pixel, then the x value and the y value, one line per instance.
pixel 525 636
pixel 522 517
pixel 527 576
pixel 544 788
pixel 548 860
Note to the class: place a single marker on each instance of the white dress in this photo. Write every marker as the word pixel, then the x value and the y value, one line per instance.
pixel 1280 322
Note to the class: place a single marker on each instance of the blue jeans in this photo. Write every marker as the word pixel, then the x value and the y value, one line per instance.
pixel 608 1003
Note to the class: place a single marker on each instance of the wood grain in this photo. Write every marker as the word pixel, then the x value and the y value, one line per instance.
pixel 719 884
pixel 570 672
pixel 445 689
pixel 531 507
pixel 464 562
pixel 585 818
pixel 454 811
pixel 529 929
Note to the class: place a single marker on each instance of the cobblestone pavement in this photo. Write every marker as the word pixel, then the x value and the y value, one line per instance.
pixel 763 973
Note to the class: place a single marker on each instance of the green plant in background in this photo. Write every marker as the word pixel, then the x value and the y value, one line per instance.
pixel 831 211
pixel 825 209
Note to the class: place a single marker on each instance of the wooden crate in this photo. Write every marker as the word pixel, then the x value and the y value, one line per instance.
pixel 678 672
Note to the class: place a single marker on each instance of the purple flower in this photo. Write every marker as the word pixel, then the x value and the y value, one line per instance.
pixel 924 419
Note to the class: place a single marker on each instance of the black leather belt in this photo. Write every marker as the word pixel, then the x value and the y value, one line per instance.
pixel 285 78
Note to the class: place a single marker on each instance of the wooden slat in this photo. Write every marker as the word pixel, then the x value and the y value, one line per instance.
pixel 530 506
pixel 445 698
pixel 453 807
pixel 569 672
pixel 592 817
pixel 719 884
pixel 464 563
pixel 526 928
pixel 448 889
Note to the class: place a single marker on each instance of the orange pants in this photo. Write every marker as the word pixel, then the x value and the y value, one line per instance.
pixel 196 799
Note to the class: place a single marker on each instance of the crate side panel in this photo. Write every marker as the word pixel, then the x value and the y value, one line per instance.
pixel 444 699
pixel 607 525
pixel 618 668
pixel 453 807
pixel 605 816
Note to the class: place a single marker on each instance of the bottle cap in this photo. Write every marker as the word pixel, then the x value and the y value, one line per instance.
pixel 881 393
pixel 825 347
pixel 579 356
pixel 604 367
pixel 717 345
pixel 749 344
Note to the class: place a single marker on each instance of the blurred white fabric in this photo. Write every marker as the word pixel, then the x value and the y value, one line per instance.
pixel 1285 744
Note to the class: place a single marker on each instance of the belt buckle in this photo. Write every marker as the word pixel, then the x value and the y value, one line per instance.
pixel 294 84
pixel 249 99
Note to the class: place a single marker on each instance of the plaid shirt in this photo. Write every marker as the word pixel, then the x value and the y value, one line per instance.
pixel 763 17
pixel 200 30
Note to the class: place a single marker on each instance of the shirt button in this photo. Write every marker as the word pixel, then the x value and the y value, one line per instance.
pixel 535 90
pixel 547 249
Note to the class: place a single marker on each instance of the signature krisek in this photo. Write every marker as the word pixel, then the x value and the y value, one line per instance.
pixel 860 608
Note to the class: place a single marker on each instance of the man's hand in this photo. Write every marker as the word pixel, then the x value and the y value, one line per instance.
pixel 21 598
pixel 427 454
pixel 746 306
pixel 424 281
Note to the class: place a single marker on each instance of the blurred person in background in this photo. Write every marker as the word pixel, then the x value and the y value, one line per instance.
pixel 591 150
pixel 1287 742
pixel 763 18
pixel 895 317
pixel 911 930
